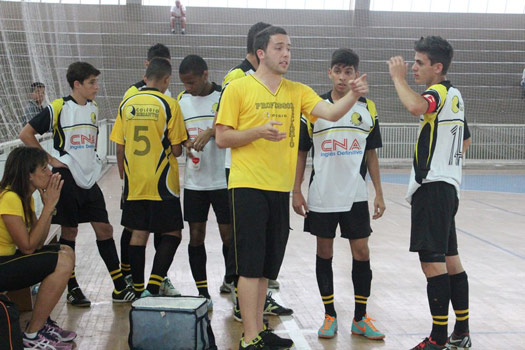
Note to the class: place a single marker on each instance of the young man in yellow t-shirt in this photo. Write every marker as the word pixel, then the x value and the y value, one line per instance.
pixel 258 119
pixel 149 131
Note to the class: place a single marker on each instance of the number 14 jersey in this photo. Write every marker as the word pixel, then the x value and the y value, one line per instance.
pixel 147 124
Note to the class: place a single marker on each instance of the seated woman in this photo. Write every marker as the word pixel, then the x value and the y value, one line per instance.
pixel 24 260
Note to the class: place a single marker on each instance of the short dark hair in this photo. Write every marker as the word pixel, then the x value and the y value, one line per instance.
pixel 158 69
pixel 256 28
pixel 263 38
pixel 37 84
pixel 158 50
pixel 437 49
pixel 80 71
pixel 194 64
pixel 346 57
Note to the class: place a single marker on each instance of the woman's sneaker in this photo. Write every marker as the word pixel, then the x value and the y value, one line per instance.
pixel 44 340
pixel 58 332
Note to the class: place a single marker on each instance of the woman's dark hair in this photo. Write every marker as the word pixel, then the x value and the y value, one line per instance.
pixel 21 162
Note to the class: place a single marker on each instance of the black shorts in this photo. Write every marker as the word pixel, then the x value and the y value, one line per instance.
pixel 260 231
pixel 354 224
pixel 24 270
pixel 197 205
pixel 77 205
pixel 434 206
pixel 152 216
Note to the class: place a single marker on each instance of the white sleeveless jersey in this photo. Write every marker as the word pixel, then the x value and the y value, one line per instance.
pixel 199 112
pixel 339 164
pixel 75 134
pixel 439 150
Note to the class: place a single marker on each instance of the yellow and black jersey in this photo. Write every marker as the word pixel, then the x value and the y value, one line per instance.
pixel 439 150
pixel 242 70
pixel 339 156
pixel 147 124
pixel 133 89
pixel 75 134
pixel 10 204
pixel 247 103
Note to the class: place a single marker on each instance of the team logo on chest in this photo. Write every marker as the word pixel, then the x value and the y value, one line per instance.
pixel 456 105
pixel 93 118
pixel 356 119
pixel 214 108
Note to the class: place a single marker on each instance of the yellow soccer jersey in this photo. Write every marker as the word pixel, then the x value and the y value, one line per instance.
pixel 147 124
pixel 247 103
pixel 10 204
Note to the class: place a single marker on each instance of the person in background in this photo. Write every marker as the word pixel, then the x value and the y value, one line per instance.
pixel 178 14
pixel 34 106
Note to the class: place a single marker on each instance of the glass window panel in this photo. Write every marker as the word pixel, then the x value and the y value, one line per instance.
pixel 402 5
pixel 220 3
pixel 477 6
pixel 197 3
pixel 294 4
pixel 333 4
pixel 440 6
pixel 459 6
pixel 346 5
pixel 381 5
pixel 260 4
pixel 515 6
pixel 311 4
pixel 276 4
pixel 421 5
pixel 90 2
pixel 70 1
pixel 496 6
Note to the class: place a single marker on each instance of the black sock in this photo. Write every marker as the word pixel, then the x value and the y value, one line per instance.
pixel 459 299
pixel 438 292
pixel 125 238
pixel 198 257
pixel 157 238
pixel 137 260
pixel 161 263
pixel 325 281
pixel 108 252
pixel 72 283
pixel 225 253
pixel 236 283
pixel 362 279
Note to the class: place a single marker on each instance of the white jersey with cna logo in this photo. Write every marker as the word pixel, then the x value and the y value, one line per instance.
pixel 439 149
pixel 199 112
pixel 339 162
pixel 75 133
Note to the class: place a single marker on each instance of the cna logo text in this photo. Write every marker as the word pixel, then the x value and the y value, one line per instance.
pixel 79 141
pixel 332 147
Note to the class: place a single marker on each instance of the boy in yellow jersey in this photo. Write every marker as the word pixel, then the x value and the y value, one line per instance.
pixel 433 189
pixel 149 130
pixel 166 288
pixel 258 119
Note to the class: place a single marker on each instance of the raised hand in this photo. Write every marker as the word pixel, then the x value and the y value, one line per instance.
pixel 397 67
pixel 51 193
pixel 359 86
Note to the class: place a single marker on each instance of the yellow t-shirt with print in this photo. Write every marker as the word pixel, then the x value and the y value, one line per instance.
pixel 247 103
pixel 147 124
pixel 10 204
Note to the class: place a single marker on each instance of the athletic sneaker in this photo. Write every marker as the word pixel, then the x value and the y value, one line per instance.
pixel 366 327
pixel 146 293
pixel 76 298
pixel 124 296
pixel 329 327
pixel 274 342
pixel 459 342
pixel 429 344
pixel 237 313
pixel 183 32
pixel 273 284
pixel 226 288
pixel 209 304
pixel 256 344
pixel 272 308
pixel 168 289
pixel 173 31
pixel 58 332
pixel 44 341
pixel 129 280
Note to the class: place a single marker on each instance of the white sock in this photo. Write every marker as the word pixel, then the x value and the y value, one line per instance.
pixel 31 335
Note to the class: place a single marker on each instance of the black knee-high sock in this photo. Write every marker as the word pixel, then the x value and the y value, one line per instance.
pixel 198 259
pixel 108 252
pixel 325 281
pixel 225 254
pixel 362 279
pixel 157 238
pixel 137 260
pixel 438 292
pixel 162 261
pixel 72 283
pixel 459 299
pixel 125 238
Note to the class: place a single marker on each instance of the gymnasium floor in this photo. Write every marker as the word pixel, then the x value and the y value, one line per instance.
pixel 490 226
